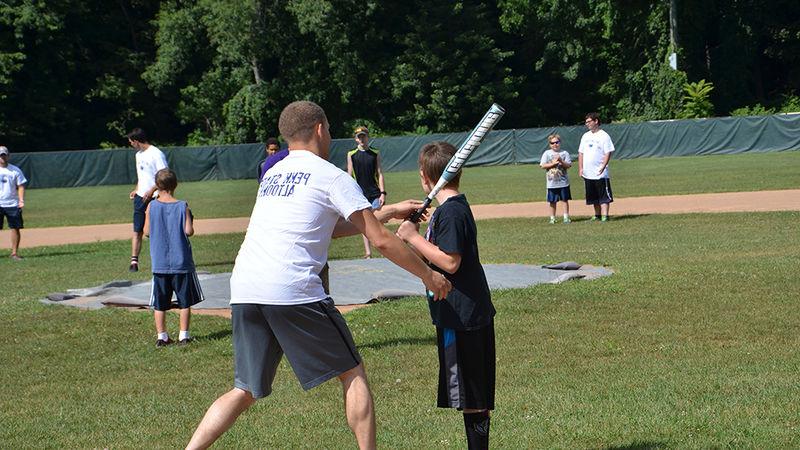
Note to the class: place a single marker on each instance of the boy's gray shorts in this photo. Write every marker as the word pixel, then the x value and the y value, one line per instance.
pixel 314 337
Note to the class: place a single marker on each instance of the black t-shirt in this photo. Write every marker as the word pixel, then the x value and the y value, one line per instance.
pixel 365 171
pixel 469 305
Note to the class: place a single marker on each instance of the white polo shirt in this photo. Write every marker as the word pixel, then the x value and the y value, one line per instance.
pixel 299 201
pixel 10 178
pixel 594 147
pixel 148 162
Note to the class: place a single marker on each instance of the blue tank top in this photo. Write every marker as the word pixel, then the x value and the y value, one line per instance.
pixel 170 250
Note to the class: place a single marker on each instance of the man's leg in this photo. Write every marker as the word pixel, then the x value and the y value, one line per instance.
pixel 219 417
pixel 15 237
pixel 367 249
pixel 358 406
pixel 136 246
pixel 136 243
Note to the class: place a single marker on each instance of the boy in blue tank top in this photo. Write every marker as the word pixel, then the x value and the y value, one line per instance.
pixel 168 224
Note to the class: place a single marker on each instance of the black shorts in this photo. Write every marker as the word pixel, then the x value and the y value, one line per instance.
pixel 466 368
pixel 185 286
pixel 14 216
pixel 561 194
pixel 598 192
pixel 314 337
pixel 139 209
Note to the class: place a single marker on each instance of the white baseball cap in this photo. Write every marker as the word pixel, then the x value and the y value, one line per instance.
pixel 3 150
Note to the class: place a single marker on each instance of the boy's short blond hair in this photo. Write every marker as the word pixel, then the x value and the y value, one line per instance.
pixel 298 119
pixel 166 180
pixel 433 159
pixel 553 136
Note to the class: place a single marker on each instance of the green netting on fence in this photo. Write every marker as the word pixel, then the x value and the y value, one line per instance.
pixel 727 135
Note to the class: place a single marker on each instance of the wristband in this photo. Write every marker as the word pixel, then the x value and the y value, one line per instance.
pixel 383 193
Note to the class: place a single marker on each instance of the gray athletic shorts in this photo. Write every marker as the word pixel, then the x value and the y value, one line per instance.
pixel 314 337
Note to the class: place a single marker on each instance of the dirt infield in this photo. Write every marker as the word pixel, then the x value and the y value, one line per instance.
pixel 760 201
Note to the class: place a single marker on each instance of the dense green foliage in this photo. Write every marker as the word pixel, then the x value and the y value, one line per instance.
pixel 692 343
pixel 78 73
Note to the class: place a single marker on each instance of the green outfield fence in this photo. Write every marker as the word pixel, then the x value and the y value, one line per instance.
pixel 725 135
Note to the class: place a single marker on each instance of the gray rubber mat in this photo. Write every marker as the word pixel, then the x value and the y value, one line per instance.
pixel 352 282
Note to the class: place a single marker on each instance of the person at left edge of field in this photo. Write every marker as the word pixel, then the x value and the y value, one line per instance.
pixel 272 148
pixel 169 223
pixel 364 165
pixel 12 199
pixel 149 160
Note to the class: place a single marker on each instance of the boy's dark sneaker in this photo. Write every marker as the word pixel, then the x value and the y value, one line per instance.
pixel 162 343
pixel 186 341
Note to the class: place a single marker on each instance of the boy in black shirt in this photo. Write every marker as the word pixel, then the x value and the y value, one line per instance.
pixel 464 320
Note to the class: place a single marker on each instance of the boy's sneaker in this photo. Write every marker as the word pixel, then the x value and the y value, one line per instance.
pixel 162 343
pixel 594 219
pixel 15 257
pixel 566 220
pixel 186 341
pixel 604 219
pixel 552 220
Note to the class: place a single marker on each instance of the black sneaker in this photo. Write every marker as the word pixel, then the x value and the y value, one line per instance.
pixel 134 267
pixel 162 343
pixel 186 341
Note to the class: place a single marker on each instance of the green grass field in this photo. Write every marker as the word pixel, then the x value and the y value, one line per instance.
pixel 503 184
pixel 691 344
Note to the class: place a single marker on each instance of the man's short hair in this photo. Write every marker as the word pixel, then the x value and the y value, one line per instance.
pixel 166 180
pixel 433 159
pixel 137 134
pixel 273 141
pixel 593 116
pixel 298 120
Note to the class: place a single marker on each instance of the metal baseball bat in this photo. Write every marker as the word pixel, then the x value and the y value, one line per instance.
pixel 457 161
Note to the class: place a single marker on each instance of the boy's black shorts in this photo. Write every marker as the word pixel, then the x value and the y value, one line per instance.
pixel 139 210
pixel 14 216
pixel 185 286
pixel 466 368
pixel 598 192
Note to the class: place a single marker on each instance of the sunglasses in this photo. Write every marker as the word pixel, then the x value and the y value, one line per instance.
pixel 555 142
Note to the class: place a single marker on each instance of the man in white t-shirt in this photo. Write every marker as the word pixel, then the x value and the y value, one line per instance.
pixel 149 160
pixel 278 305
pixel 594 153
pixel 12 199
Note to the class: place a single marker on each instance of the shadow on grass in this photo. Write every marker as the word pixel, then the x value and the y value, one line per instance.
pixel 222 334
pixel 36 255
pixel 613 218
pixel 400 341
pixel 639 446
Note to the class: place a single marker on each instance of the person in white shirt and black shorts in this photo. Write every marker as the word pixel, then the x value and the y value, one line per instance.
pixel 594 154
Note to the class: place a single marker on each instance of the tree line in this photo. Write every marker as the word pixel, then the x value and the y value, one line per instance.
pixel 77 74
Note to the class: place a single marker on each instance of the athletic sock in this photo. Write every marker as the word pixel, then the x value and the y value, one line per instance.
pixel 477 427
pixel 183 335
pixel 163 336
